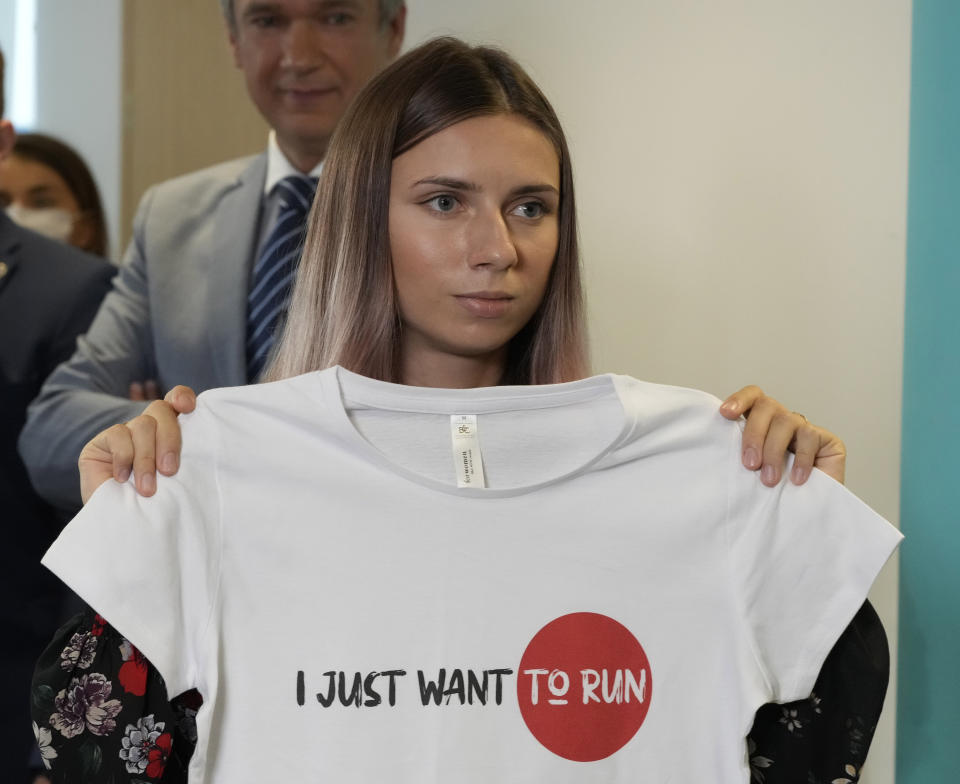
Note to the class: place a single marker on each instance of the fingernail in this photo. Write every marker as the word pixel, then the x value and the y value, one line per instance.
pixel 751 459
pixel 124 475
pixel 148 484
pixel 799 474
pixel 168 463
pixel 769 475
pixel 730 407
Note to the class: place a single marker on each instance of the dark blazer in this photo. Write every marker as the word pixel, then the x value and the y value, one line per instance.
pixel 49 293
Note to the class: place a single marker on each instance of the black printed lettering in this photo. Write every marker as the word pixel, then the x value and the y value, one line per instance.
pixel 355 696
pixel 498 689
pixel 331 691
pixel 475 689
pixel 392 689
pixel 455 689
pixel 373 697
pixel 430 690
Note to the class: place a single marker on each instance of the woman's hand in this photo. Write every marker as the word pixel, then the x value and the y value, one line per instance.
pixel 772 430
pixel 144 444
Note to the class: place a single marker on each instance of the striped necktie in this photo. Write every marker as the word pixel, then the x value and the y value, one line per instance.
pixel 273 273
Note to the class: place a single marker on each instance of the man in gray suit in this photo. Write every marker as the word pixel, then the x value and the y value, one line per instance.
pixel 181 309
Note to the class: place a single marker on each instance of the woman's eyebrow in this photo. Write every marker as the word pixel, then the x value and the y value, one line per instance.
pixel 463 185
pixel 448 182
pixel 40 190
pixel 536 188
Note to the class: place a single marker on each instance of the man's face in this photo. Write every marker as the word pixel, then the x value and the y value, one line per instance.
pixel 305 60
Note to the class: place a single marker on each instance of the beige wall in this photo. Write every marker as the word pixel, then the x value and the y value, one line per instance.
pixel 741 173
pixel 185 105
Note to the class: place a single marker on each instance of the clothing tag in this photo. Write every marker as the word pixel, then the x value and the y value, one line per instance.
pixel 467 459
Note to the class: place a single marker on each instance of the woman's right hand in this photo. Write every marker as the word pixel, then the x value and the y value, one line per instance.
pixel 145 444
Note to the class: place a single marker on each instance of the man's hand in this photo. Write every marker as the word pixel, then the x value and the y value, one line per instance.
pixel 144 444
pixel 772 430
pixel 148 390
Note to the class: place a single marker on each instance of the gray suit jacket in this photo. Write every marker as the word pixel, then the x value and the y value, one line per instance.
pixel 177 314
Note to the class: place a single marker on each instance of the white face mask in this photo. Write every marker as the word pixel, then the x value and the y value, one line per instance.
pixel 53 222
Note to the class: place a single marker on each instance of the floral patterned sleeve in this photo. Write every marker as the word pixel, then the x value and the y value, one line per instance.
pixel 824 739
pixel 101 712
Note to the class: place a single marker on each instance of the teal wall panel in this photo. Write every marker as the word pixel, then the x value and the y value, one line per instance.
pixel 928 699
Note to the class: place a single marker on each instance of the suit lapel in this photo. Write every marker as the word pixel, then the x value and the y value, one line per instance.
pixel 9 250
pixel 235 224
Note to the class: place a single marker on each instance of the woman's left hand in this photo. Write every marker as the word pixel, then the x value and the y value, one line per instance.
pixel 772 430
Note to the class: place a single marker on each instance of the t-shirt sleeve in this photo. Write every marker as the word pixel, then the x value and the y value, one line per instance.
pixel 803 561
pixel 150 565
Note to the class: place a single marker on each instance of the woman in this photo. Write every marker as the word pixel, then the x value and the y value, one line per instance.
pixel 46 186
pixel 383 623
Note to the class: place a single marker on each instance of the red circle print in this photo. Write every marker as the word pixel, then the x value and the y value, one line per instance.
pixel 584 686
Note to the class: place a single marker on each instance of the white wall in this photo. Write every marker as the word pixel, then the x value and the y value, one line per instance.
pixel 741 174
pixel 77 70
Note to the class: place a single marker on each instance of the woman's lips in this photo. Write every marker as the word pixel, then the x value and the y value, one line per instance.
pixel 484 304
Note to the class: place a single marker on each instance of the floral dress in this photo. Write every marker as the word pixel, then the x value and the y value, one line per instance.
pixel 101 713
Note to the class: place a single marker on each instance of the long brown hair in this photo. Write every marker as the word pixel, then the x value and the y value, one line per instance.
pixel 343 309
pixel 65 161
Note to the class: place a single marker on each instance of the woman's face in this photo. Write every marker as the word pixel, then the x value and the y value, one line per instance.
pixel 39 198
pixel 473 235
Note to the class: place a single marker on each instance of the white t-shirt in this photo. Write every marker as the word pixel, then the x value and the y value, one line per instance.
pixel 613 606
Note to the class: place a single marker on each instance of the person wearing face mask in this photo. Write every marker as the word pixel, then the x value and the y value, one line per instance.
pixel 49 293
pixel 45 186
